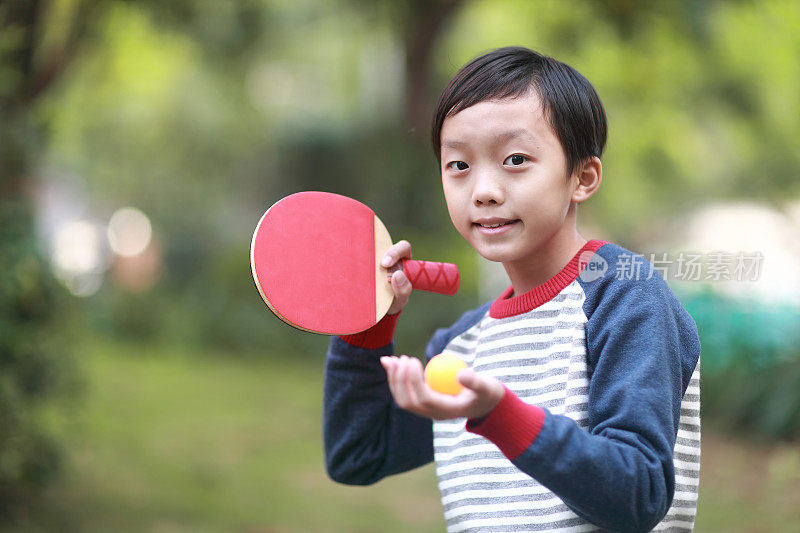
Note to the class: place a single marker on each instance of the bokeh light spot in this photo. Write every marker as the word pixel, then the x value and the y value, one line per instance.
pixel 80 256
pixel 129 232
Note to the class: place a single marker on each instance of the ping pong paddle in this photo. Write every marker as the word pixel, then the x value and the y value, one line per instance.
pixel 315 258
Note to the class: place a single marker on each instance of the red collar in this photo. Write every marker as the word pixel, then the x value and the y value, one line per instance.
pixel 505 307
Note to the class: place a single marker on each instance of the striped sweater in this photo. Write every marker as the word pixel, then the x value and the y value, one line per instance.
pixel 599 427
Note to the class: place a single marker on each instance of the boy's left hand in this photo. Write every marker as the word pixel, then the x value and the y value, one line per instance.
pixel 480 394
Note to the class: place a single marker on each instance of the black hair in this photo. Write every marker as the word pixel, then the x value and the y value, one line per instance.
pixel 570 103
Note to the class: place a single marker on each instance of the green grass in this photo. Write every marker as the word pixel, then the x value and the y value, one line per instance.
pixel 747 486
pixel 167 441
pixel 170 441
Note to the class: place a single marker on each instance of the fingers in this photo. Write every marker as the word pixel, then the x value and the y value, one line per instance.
pixel 488 391
pixel 482 385
pixel 410 392
pixel 404 375
pixel 470 379
pixel 410 382
pixel 396 252
pixel 401 286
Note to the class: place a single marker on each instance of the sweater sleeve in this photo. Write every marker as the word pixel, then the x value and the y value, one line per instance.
pixel 642 349
pixel 366 435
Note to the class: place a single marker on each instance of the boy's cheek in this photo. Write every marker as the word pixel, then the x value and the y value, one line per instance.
pixel 461 224
pixel 452 211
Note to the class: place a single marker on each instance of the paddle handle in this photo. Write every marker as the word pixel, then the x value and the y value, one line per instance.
pixel 442 278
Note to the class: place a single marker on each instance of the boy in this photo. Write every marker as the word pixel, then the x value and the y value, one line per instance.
pixel 580 409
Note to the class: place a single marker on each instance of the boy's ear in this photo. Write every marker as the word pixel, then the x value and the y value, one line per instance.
pixel 588 177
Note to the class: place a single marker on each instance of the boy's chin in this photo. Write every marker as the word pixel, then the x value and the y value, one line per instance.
pixel 495 256
pixel 496 252
pixel 506 255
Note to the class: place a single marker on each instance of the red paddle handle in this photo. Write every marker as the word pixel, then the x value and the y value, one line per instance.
pixel 442 278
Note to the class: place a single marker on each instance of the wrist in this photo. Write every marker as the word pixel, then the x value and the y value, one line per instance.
pixel 512 425
pixel 377 336
pixel 495 396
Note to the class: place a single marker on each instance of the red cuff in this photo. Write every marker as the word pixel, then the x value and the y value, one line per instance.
pixel 377 336
pixel 512 425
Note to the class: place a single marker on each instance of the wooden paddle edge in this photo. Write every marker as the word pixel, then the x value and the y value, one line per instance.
pixel 384 295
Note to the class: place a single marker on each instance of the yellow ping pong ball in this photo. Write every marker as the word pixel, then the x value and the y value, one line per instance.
pixel 440 373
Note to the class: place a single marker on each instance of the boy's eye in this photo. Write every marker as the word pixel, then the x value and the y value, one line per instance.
pixel 460 165
pixel 515 160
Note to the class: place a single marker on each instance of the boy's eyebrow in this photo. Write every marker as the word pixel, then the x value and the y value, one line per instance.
pixel 454 144
pixel 500 138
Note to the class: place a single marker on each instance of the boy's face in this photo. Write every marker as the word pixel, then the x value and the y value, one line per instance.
pixel 504 179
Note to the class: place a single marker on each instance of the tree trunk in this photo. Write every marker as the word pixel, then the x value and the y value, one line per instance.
pixel 424 24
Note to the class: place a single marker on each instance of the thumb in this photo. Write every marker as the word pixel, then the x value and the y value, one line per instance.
pixel 482 385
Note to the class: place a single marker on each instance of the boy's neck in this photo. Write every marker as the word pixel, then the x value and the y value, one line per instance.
pixel 549 261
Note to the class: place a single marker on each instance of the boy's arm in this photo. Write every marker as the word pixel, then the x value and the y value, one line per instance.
pixel 366 436
pixel 643 348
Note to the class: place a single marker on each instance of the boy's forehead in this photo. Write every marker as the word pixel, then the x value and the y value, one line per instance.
pixel 497 137
pixel 497 121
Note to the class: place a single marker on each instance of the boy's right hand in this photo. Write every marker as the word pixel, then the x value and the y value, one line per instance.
pixel 406 378
pixel 400 282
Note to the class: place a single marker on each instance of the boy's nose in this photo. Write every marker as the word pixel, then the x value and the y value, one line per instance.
pixel 487 190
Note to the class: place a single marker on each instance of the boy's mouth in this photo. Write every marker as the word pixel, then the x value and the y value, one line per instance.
pixel 494 225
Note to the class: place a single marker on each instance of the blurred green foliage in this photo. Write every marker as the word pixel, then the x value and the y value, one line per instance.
pixel 761 404
pixel 750 365
pixel 35 368
pixel 164 113
pixel 699 96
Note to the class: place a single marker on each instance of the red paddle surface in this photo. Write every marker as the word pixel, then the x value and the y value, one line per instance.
pixel 314 261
